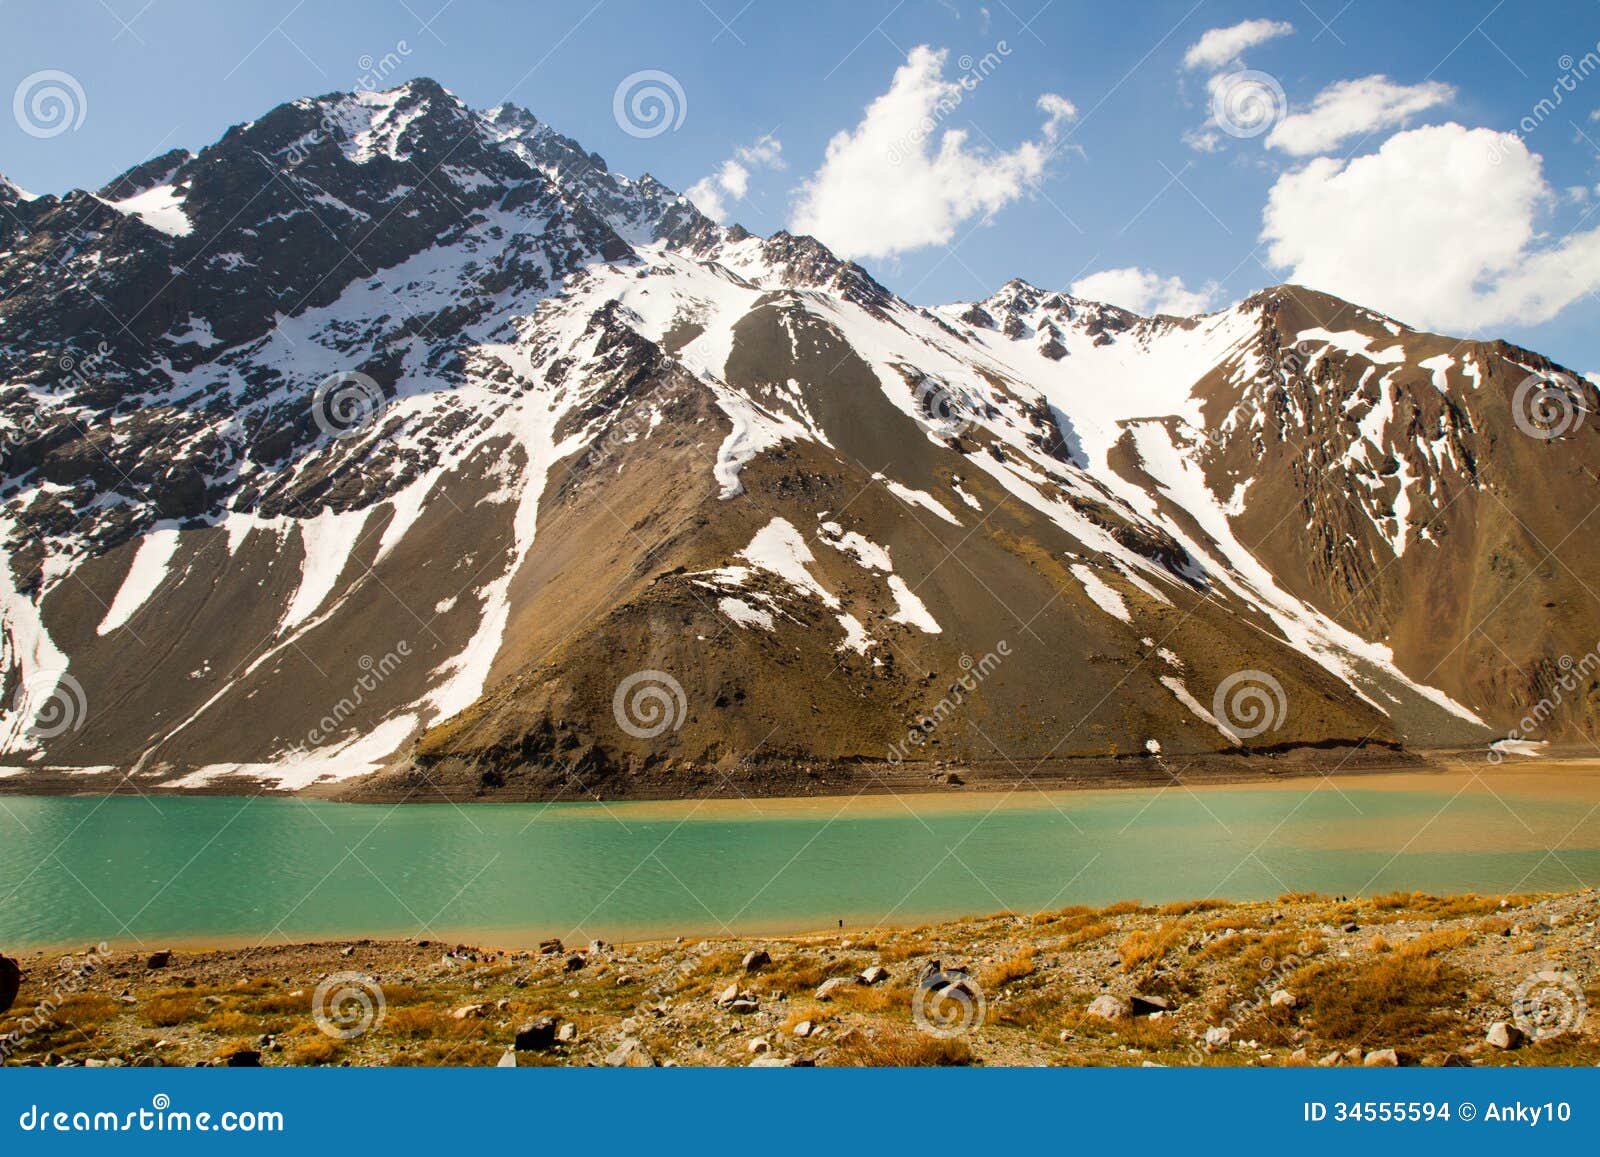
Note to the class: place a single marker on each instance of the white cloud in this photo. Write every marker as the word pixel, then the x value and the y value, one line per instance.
pixel 1437 228
pixel 898 181
pixel 732 179
pixel 1145 292
pixel 1593 377
pixel 1220 47
pixel 1352 107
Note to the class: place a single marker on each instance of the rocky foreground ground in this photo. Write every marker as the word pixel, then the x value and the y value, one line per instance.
pixel 1403 979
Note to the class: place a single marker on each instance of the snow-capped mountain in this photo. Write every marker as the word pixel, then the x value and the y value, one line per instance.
pixel 385 438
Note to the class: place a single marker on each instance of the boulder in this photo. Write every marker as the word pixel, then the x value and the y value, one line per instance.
pixel 567 1033
pixel 875 975
pixel 1503 1035
pixel 551 947
pixel 755 959
pixel 244 1059
pixel 535 1035
pixel 575 962
pixel 828 987
pixel 1109 1007
pixel 159 959
pixel 10 982
pixel 470 1012
pixel 744 1006
pixel 630 1054
pixel 803 1029
pixel 728 995
pixel 1144 1004
pixel 508 1060
pixel 1219 1037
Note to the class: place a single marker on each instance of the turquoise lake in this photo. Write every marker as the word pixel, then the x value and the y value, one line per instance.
pixel 166 869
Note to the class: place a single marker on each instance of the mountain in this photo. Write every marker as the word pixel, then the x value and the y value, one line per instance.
pixel 391 447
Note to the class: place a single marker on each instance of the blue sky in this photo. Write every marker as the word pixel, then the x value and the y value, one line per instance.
pixel 1125 166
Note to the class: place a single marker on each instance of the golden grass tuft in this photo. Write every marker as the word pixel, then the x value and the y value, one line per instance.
pixel 1142 946
pixel 901 1048
pixel 1005 971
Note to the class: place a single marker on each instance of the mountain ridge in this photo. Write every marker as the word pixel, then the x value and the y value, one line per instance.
pixel 590 433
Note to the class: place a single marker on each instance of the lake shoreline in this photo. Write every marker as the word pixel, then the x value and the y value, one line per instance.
pixel 1285 982
pixel 823 782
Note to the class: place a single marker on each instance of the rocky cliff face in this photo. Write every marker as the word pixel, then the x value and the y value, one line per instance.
pixel 386 434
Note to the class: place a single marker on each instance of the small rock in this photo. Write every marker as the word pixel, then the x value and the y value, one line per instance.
pixel 575 962
pixel 1283 998
pixel 803 1029
pixel 772 1062
pixel 875 975
pixel 728 995
pixel 159 959
pixel 551 947
pixel 1109 1007
pixel 1329 1061
pixel 1143 1004
pixel 1351 927
pixel 828 987
pixel 1502 1035
pixel 508 1060
pixel 743 1006
pixel 567 1033
pixel 348 950
pixel 755 959
pixel 470 1012
pixel 759 1045
pixel 630 1054
pixel 244 1059
pixel 1382 1059
pixel 1219 1037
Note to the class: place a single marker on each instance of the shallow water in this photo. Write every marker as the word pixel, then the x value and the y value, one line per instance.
pixel 163 870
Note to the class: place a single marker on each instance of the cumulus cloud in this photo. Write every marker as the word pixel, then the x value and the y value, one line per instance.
pixel 732 179
pixel 1145 292
pixel 898 181
pixel 1437 228
pixel 1353 107
pixel 1220 47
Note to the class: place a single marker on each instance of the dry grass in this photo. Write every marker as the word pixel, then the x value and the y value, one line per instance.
pixel 1395 999
pixel 1143 947
pixel 1012 968
pixel 901 1048
pixel 1189 907
pixel 1433 943
pixel 318 1050
pixel 172 1008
